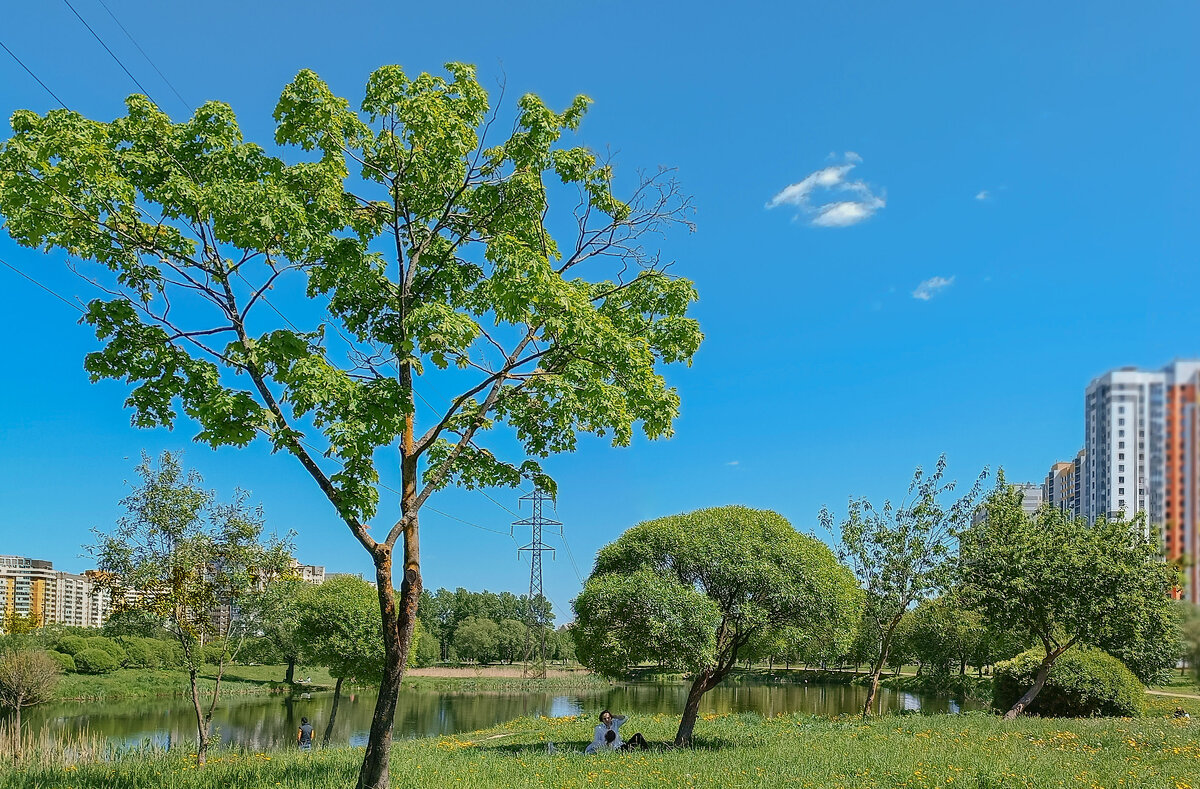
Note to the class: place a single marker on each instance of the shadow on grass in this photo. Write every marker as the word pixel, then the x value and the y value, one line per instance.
pixel 569 747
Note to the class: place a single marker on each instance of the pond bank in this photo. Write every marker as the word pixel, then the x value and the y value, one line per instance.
pixel 917 751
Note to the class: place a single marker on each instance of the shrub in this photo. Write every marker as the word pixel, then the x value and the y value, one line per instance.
pixel 214 653
pixel 71 645
pixel 107 645
pixel 64 661
pixel 1082 683
pixel 95 661
pixel 141 653
pixel 170 654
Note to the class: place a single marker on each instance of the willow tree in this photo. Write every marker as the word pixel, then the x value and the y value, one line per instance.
pixel 694 592
pixel 418 244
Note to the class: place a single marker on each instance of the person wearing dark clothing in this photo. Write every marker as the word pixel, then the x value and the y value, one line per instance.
pixel 304 735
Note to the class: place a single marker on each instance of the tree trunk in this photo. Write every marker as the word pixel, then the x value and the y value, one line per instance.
pixel 873 685
pixel 337 697
pixel 201 723
pixel 290 677
pixel 398 624
pixel 17 731
pixel 885 646
pixel 691 710
pixel 1038 681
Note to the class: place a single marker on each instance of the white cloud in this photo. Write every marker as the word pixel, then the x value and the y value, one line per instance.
pixel 931 287
pixel 826 183
pixel 983 194
pixel 732 463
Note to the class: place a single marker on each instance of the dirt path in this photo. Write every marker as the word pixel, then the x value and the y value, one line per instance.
pixel 1170 693
pixel 501 672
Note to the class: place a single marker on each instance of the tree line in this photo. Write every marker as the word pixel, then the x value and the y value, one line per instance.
pixel 488 627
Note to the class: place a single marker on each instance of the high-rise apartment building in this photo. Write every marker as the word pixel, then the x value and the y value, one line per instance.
pixel 79 601
pixel 32 586
pixel 1063 486
pixel 26 587
pixel 1142 441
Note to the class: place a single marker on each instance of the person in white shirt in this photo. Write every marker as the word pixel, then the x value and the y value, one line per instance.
pixel 608 735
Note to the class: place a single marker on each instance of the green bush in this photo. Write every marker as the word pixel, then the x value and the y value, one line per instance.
pixel 1082 683
pixel 141 653
pixel 107 645
pixel 170 654
pixel 64 661
pixel 95 661
pixel 212 654
pixel 71 645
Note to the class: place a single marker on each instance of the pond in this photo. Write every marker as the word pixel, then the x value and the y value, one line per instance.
pixel 264 722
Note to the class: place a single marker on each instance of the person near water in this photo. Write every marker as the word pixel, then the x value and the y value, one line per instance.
pixel 304 735
pixel 608 735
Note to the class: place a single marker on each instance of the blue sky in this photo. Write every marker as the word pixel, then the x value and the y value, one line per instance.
pixel 1000 204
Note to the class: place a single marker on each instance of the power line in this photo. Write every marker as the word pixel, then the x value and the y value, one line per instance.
pixel 109 51
pixel 63 299
pixel 460 520
pixel 29 71
pixel 275 309
pixel 571 556
pixel 147 57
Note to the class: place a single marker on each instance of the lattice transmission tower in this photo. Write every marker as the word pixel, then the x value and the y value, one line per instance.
pixel 535 648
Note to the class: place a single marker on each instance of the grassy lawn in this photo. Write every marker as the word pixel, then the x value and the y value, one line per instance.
pixel 258 680
pixel 136 683
pixel 976 751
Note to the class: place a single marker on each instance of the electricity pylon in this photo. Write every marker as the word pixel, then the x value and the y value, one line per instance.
pixel 535 653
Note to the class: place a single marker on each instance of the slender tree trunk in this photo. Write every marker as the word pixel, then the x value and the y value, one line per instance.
pixel 691 710
pixel 1038 681
pixel 873 685
pixel 398 624
pixel 201 723
pixel 290 677
pixel 17 731
pixel 337 697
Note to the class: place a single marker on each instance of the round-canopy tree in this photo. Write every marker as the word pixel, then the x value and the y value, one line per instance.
pixel 338 627
pixel 27 677
pixel 692 591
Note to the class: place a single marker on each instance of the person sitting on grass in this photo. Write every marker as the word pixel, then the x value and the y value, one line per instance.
pixel 608 736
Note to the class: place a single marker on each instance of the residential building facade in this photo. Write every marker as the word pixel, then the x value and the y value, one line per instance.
pixel 32 586
pixel 1032 497
pixel 1142 444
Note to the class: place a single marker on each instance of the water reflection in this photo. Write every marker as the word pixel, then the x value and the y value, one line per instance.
pixel 261 723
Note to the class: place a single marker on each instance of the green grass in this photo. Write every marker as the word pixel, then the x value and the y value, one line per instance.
pixel 139 683
pixel 976 751
pixel 261 680
pixel 496 684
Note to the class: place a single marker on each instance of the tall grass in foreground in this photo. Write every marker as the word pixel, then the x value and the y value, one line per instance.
pixel 976 751
pixel 47 748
